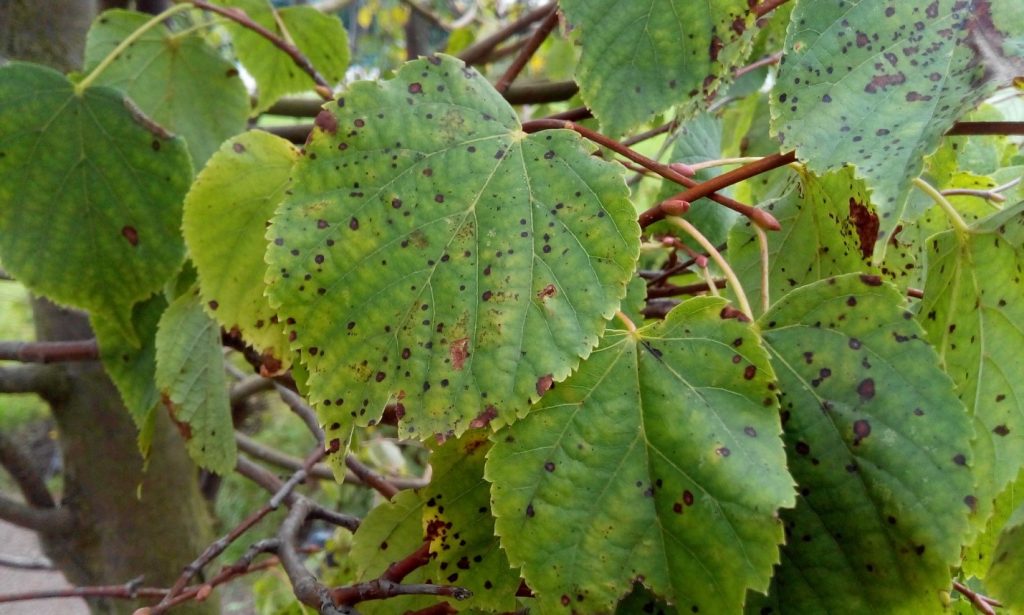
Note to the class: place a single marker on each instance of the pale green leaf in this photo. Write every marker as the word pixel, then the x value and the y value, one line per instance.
pixel 658 461
pixel 818 239
pixel 190 377
pixel 226 214
pixel 978 557
pixel 642 57
pixel 90 194
pixel 879 446
pixel 1004 578
pixel 320 37
pixel 876 83
pixel 176 78
pixel 973 310
pixel 433 253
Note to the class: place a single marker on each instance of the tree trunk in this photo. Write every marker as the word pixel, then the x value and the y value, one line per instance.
pixel 130 519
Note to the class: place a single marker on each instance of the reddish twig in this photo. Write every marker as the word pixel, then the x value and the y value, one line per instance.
pixel 980 602
pixel 131 590
pixel 389 584
pixel 674 291
pixel 986 128
pixel 397 571
pixel 534 43
pixel 323 88
pixel 371 478
pixel 765 61
pixel 50 352
pixel 709 187
pixel 480 49
pixel 648 134
pixel 576 114
pixel 768 6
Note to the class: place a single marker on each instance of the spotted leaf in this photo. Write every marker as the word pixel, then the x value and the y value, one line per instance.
pixel 320 37
pixel 879 446
pixel 172 76
pixel 1004 577
pixel 193 386
pixel 90 194
pixel 973 308
pixel 876 83
pixel 657 53
pixel 226 214
pixel 659 462
pixel 828 229
pixel 434 254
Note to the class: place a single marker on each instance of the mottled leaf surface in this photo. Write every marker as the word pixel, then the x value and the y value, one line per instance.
pixel 818 237
pixel 658 461
pixel 642 57
pixel 190 377
pixel 90 194
pixel 875 83
pixel 973 311
pixel 225 219
pixel 131 364
pixel 879 446
pixel 1004 578
pixel 176 78
pixel 433 253
pixel 320 37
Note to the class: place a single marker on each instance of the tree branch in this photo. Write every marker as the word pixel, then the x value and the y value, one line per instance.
pixel 534 43
pixel 25 563
pixel 44 381
pixel 49 352
pixel 42 520
pixel 19 465
pixel 129 591
pixel 371 478
pixel 986 128
pixel 478 50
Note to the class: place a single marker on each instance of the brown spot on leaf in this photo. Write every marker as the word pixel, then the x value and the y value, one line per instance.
pixel 861 430
pixel 131 235
pixel 544 383
pixel 866 223
pixel 866 388
pixel 326 122
pixel 871 280
pixel 1001 430
pixel 458 351
pixel 547 291
pixel 485 417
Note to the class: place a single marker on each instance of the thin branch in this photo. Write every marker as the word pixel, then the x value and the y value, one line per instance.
pixel 540 93
pixel 768 6
pixel 762 244
pixel 648 134
pixel 371 478
pixel 576 114
pixel 49 352
pixel 128 591
pixel 984 604
pixel 659 292
pixel 709 187
pixel 307 589
pixel 380 589
pixel 26 563
pixel 959 225
pixel 531 47
pixel 42 520
pixel 299 406
pixel 478 50
pixel 659 308
pixel 765 61
pixel 323 88
pixel 45 381
pixel 730 275
pixel 986 128
pixel 249 386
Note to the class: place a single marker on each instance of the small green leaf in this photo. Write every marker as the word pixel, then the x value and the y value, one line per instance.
pixel 176 78
pixel 226 214
pixel 876 83
pixel 658 461
pixel 973 308
pixel 879 446
pixel 818 238
pixel 433 253
pixel 191 379
pixel 641 58
pixel 90 194
pixel 978 557
pixel 133 367
pixel 320 37
pixel 1005 575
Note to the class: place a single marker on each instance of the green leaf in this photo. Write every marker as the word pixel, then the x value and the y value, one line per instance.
pixel 640 58
pixel 879 446
pixel 1004 578
pixel 973 308
pixel 658 461
pixel 433 253
pixel 876 83
pixel 90 194
pixel 226 214
pixel 191 379
pixel 133 367
pixel 457 518
pixel 174 77
pixel 818 238
pixel 320 37
pixel 978 557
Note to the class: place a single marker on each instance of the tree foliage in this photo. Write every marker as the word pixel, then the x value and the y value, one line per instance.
pixel 836 431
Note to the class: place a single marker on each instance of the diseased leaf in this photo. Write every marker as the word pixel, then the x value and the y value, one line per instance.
pixel 320 37
pixel 973 310
pixel 191 379
pixel 657 53
pixel 1005 575
pixel 978 557
pixel 225 218
pixel 879 446
pixel 434 254
pixel 132 364
pixel 176 78
pixel 658 462
pixel 876 83
pixel 828 229
pixel 90 194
